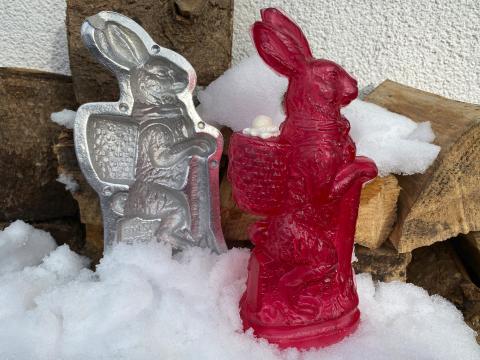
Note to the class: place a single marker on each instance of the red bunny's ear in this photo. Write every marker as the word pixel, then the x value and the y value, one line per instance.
pixel 277 50
pixel 283 24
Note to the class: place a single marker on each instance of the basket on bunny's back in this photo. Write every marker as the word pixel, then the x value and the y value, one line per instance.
pixel 307 183
pixel 260 174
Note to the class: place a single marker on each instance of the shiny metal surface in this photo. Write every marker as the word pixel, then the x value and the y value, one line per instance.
pixel 149 156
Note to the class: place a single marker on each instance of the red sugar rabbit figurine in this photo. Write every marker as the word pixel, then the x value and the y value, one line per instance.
pixel 306 182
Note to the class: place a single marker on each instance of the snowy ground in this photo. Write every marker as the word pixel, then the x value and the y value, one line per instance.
pixel 142 304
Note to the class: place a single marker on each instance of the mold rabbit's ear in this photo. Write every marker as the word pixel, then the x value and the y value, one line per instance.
pixel 291 31
pixel 277 50
pixel 118 46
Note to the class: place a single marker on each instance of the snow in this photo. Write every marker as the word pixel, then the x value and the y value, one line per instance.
pixel 69 182
pixel 396 143
pixel 22 245
pixel 143 304
pixel 64 118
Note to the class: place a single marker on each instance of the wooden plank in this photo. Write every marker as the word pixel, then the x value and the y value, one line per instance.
pixel 200 30
pixel 445 200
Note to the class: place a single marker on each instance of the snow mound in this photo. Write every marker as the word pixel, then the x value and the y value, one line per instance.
pixel 22 245
pixel 64 118
pixel 396 143
pixel 143 304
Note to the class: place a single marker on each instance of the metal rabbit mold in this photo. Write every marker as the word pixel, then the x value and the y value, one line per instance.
pixel 149 156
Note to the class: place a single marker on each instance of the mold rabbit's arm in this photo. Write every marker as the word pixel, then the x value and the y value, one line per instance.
pixel 199 146
pixel 358 172
pixel 169 156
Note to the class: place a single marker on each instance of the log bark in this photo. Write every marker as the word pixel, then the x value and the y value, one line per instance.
pixel 384 264
pixel 200 30
pixel 28 186
pixel 445 200
pixel 438 270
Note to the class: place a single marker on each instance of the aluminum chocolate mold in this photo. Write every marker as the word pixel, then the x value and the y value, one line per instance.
pixel 149 156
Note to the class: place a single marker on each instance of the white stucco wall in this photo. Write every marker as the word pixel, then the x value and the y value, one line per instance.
pixel 33 35
pixel 429 44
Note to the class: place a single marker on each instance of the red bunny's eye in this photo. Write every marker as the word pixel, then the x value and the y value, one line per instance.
pixel 326 72
pixel 331 75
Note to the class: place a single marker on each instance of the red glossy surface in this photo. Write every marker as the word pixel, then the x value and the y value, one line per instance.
pixel 306 183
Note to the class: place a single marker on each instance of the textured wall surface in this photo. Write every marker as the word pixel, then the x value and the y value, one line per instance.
pixel 32 35
pixel 433 45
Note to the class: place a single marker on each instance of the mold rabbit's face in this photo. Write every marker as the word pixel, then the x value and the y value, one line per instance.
pixel 330 84
pixel 158 83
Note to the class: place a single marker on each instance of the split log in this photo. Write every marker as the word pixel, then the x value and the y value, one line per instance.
pixel 200 30
pixel 445 200
pixel 28 186
pixel 384 264
pixel 438 270
pixel 377 211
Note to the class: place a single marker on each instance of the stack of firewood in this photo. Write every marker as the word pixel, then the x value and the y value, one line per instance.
pixel 419 228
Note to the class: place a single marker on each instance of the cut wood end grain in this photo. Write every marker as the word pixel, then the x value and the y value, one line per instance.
pixel 377 211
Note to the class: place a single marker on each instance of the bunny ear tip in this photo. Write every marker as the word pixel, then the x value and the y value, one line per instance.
pixel 96 21
pixel 267 13
pixel 264 12
pixel 270 13
pixel 257 24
